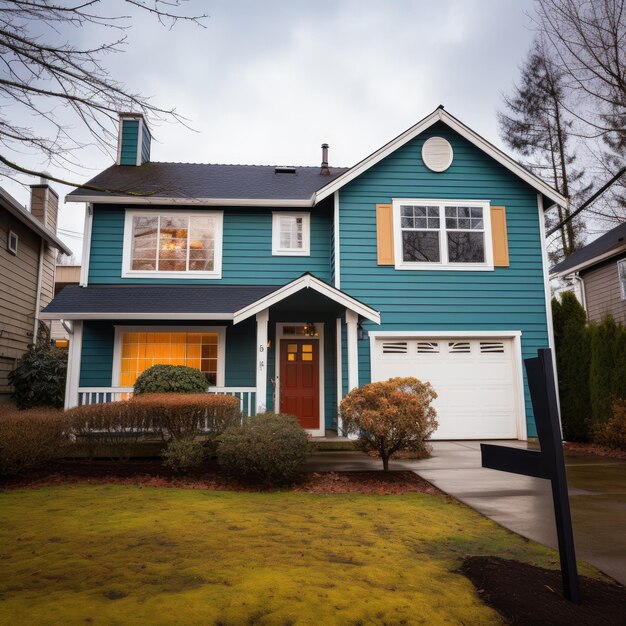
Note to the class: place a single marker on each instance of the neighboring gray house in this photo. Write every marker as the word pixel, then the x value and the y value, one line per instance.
pixel 28 250
pixel 600 269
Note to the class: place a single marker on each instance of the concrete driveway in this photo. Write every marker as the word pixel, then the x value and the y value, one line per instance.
pixel 597 487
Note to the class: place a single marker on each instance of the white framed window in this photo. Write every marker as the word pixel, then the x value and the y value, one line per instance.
pixel 136 348
pixel 291 234
pixel 442 234
pixel 172 244
pixel 12 240
pixel 621 272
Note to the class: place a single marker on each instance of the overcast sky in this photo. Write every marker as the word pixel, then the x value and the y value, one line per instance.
pixel 268 82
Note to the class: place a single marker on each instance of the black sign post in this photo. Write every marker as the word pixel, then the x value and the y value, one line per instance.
pixel 548 463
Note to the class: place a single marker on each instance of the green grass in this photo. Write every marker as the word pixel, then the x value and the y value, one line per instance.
pixel 126 555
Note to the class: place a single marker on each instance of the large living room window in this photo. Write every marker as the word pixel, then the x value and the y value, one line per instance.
pixel 172 244
pixel 137 349
pixel 442 234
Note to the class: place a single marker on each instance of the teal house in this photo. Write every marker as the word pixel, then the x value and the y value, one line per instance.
pixel 289 286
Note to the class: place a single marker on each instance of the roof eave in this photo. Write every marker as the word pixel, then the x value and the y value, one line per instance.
pixel 163 200
pixel 589 262
pixel 74 315
pixel 11 205
pixel 438 115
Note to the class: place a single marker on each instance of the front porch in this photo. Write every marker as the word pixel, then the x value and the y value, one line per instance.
pixel 294 350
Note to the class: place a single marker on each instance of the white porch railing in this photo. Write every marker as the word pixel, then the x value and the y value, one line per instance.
pixel 98 395
pixel 245 395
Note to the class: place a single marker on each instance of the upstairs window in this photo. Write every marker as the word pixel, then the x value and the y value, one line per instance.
pixel 436 234
pixel 172 245
pixel 291 234
pixel 12 240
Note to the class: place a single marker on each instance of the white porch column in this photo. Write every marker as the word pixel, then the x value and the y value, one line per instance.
pixel 73 365
pixel 262 319
pixel 352 320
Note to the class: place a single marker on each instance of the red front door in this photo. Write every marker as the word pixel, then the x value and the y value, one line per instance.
pixel 300 381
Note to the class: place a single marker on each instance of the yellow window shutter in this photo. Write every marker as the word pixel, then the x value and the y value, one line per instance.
pixel 384 234
pixel 499 237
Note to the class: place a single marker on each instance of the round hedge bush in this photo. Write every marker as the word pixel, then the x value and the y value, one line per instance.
pixel 269 447
pixel 171 379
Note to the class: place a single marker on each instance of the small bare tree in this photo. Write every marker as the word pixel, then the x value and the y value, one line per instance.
pixel 65 85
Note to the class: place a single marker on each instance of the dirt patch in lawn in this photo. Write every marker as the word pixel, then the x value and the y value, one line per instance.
pixel 594 448
pixel 526 594
pixel 148 473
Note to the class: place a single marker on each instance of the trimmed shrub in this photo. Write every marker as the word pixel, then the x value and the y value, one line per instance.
pixel 573 357
pixel 39 378
pixel 613 433
pixel 112 429
pixel 171 379
pixel 391 416
pixel 183 416
pixel 31 438
pixel 182 455
pixel 269 447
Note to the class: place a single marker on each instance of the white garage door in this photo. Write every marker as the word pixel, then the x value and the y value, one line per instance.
pixel 474 380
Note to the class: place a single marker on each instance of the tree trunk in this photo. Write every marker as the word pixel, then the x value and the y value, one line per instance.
pixel 385 458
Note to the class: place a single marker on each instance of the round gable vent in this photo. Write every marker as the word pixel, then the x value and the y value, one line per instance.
pixel 437 154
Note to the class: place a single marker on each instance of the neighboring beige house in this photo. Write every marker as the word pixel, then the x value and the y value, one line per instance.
pixel 65 275
pixel 28 250
pixel 600 270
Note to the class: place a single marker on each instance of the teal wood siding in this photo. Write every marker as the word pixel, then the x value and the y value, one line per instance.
pixel 130 138
pixel 247 249
pixel 96 362
pixel 97 354
pixel 508 298
pixel 146 140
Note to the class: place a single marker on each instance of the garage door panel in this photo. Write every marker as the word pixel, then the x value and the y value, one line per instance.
pixel 474 380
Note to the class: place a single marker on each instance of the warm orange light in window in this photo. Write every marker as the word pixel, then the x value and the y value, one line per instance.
pixel 61 343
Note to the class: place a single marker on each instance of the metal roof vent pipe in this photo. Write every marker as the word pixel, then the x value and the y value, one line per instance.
pixel 324 171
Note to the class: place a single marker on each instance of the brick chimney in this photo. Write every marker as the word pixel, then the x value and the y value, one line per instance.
pixel 44 204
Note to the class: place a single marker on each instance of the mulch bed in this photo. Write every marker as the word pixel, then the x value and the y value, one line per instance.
pixel 594 448
pixel 148 473
pixel 526 594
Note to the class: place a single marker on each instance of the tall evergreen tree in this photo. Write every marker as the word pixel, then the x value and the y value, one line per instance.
pixel 535 124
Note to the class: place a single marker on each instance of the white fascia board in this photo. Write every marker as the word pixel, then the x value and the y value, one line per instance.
pixel 440 115
pixel 446 333
pixel 248 202
pixel 136 316
pixel 306 282
pixel 589 262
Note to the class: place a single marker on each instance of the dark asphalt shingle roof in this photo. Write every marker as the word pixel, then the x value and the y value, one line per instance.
pixel 198 180
pixel 156 299
pixel 613 239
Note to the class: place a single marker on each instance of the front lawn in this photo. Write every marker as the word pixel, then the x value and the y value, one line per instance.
pixel 118 554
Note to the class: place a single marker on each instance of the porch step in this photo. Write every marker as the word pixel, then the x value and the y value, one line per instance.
pixel 332 443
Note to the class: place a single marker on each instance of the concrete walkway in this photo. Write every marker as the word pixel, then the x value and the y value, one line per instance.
pixel 597 496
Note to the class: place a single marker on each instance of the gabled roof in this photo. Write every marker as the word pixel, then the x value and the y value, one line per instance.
pixel 27 218
pixel 207 184
pixel 610 244
pixel 260 185
pixel 441 115
pixel 307 281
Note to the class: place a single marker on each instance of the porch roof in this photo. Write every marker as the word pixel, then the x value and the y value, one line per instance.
pixel 188 302
pixel 185 302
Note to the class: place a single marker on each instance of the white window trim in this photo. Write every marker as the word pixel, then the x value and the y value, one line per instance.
pixel 12 234
pixel 622 285
pixel 306 234
pixel 320 431
pixel 128 245
pixel 221 346
pixel 444 264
